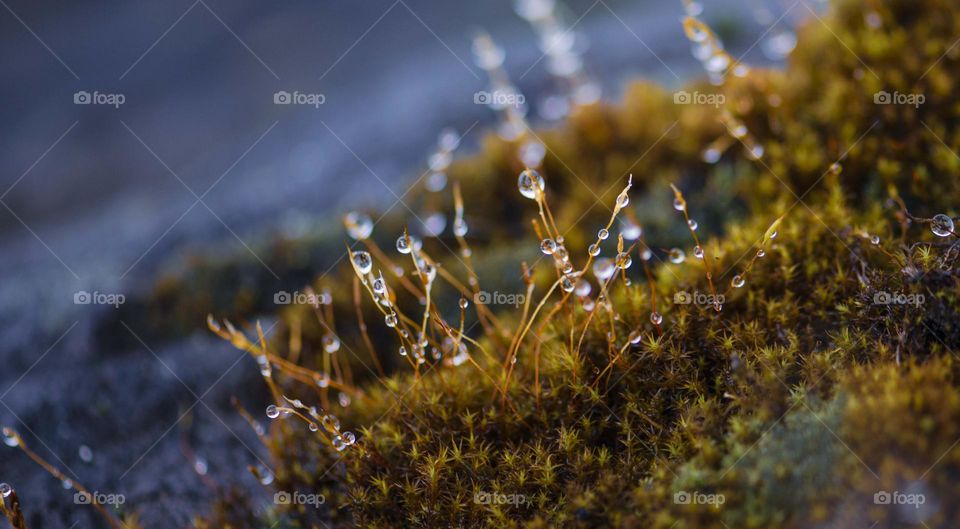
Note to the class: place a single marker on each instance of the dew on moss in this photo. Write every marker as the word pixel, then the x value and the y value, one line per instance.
pixel 531 184
pixel 656 318
pixel 942 225
pixel 737 281
pixel 548 246
pixel 390 319
pixel 404 244
pixel 363 262
pixel 273 411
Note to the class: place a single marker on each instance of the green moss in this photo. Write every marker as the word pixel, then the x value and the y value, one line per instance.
pixel 805 396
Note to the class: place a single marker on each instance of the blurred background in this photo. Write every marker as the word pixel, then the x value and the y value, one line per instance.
pixel 138 133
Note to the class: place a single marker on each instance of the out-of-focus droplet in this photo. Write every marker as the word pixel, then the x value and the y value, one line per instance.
pixel 582 288
pixel 631 231
pixel 677 256
pixel 331 343
pixel 604 268
pixel 779 46
pixel 436 181
pixel 434 224
pixel 359 225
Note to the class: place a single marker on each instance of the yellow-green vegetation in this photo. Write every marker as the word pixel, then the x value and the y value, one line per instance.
pixel 787 359
pixel 801 373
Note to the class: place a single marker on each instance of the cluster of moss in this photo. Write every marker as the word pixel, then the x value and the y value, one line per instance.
pixel 796 404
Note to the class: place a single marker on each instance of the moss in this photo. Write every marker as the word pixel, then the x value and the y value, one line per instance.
pixel 806 395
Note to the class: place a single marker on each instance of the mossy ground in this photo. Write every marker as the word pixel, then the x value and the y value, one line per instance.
pixel 797 403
